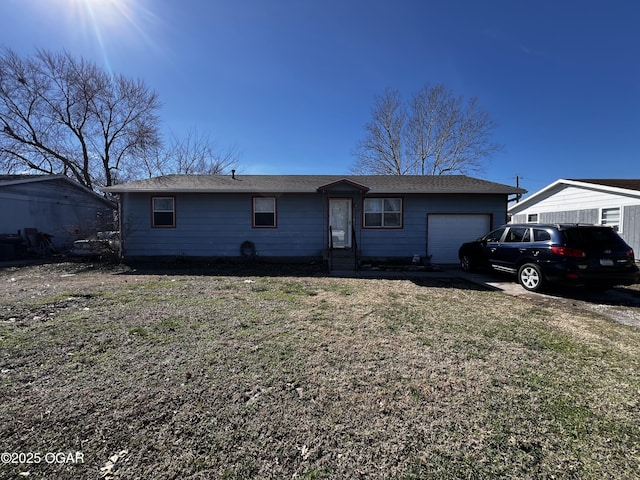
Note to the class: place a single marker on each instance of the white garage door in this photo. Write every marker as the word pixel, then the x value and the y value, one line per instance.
pixel 445 234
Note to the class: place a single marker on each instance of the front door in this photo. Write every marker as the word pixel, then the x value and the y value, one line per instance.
pixel 340 220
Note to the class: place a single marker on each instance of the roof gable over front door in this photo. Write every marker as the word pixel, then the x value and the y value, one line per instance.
pixel 343 185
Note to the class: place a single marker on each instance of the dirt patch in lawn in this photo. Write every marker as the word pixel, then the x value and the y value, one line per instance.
pixel 242 374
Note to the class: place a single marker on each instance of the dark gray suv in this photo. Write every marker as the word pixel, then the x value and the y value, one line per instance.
pixel 539 255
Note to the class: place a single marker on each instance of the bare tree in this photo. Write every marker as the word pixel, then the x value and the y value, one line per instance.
pixel 67 116
pixel 381 152
pixel 196 153
pixel 436 134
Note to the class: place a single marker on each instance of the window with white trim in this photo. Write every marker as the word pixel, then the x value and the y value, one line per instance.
pixel 610 217
pixel 264 212
pixel 532 218
pixel 383 213
pixel 164 212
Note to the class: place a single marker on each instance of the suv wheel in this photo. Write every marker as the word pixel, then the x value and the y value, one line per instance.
pixel 466 263
pixel 530 277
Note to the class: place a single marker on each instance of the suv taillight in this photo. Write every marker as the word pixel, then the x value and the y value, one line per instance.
pixel 630 254
pixel 569 252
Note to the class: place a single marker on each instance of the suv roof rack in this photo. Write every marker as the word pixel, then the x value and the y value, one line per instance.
pixel 553 224
pixel 565 225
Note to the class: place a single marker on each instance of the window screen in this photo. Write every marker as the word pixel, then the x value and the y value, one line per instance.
pixel 264 212
pixel 163 212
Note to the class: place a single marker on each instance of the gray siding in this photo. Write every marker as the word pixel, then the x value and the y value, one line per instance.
pixel 54 207
pixel 573 216
pixel 570 216
pixel 631 227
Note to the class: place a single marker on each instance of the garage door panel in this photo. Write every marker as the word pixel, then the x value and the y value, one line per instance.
pixel 446 232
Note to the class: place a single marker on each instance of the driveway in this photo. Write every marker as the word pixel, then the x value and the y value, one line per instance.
pixel 620 304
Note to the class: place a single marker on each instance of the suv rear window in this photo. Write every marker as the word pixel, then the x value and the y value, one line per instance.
pixel 540 235
pixel 591 236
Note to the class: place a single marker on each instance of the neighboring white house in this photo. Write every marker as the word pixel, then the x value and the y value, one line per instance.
pixel 614 202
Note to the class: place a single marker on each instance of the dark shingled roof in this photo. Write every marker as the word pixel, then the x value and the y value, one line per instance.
pixel 26 177
pixel 628 183
pixel 378 184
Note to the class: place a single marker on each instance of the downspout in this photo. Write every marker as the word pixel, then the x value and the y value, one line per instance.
pixel 506 210
pixel 357 223
pixel 326 239
pixel 121 226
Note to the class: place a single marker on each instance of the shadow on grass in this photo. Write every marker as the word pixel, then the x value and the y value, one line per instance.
pixel 436 277
pixel 430 278
pixel 626 296
pixel 232 269
pixel 617 296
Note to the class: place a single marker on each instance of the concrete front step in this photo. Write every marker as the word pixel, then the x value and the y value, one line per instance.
pixel 343 260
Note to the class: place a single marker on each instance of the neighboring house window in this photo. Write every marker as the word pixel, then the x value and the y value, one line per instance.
pixel 532 218
pixel 164 212
pixel 610 217
pixel 264 212
pixel 383 212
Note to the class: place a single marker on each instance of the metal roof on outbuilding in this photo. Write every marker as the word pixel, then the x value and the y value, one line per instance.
pixel 26 179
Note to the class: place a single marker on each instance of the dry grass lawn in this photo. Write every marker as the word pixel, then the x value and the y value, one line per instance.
pixel 186 375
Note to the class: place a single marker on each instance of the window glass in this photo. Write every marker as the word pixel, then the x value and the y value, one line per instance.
pixel 264 204
pixel 373 205
pixel 392 212
pixel 392 219
pixel 532 218
pixel 515 234
pixel 163 204
pixel 610 217
pixel 540 235
pixel 494 236
pixel 373 219
pixel 163 212
pixel 592 236
pixel 392 205
pixel 264 212
pixel 383 212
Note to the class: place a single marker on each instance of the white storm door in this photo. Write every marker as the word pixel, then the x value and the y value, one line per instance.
pixel 340 220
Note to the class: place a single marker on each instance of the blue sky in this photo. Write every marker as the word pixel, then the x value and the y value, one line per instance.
pixel 291 83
